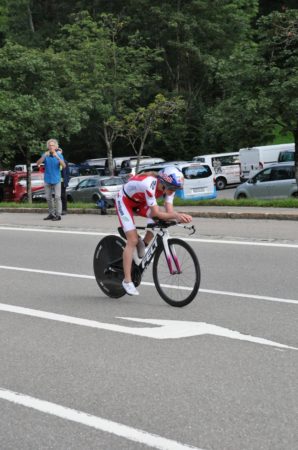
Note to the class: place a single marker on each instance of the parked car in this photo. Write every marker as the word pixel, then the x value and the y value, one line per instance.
pixel 74 181
pixel 94 189
pixel 276 181
pixel 117 164
pixel 199 182
pixel 85 169
pixel 39 195
pixel 287 155
pixel 3 174
pixel 95 162
pixel 128 167
pixel 226 167
pixel 23 168
pixel 256 158
pixel 15 185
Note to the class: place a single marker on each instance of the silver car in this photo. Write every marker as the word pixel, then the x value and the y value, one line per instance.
pixel 276 181
pixel 94 189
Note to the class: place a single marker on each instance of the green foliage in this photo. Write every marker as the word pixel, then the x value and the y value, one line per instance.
pixel 282 203
pixel 278 49
pixel 102 63
pixel 148 120
pixel 84 207
pixel 35 102
pixel 259 86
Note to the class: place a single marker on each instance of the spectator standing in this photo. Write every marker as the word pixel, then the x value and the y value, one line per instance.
pixel 52 160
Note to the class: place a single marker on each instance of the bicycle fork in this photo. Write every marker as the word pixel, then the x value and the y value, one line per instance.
pixel 171 256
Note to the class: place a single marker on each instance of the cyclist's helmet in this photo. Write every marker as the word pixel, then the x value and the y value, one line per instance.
pixel 171 178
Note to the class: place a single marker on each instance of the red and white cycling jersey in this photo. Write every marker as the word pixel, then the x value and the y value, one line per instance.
pixel 137 196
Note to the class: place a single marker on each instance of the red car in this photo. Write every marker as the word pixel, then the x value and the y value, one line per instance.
pixel 15 185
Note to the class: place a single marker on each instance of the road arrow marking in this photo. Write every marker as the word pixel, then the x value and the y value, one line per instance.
pixel 164 329
pixel 175 329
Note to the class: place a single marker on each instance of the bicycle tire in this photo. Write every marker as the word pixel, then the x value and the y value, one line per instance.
pixel 108 250
pixel 177 290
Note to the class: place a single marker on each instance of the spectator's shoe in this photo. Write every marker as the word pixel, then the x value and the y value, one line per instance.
pixel 49 217
pixel 56 218
pixel 130 288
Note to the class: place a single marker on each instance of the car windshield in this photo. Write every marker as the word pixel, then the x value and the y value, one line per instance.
pixel 73 182
pixel 194 172
pixel 112 182
pixel 36 179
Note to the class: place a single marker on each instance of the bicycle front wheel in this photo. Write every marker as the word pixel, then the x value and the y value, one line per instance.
pixel 180 288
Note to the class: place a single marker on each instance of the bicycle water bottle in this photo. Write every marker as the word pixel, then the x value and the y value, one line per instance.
pixel 141 248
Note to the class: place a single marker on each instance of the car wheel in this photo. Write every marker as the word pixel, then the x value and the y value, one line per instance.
pixel 69 199
pixel 295 194
pixel 241 196
pixel 220 183
pixel 24 198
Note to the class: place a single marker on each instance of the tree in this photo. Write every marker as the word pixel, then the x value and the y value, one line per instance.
pixel 34 101
pixel 112 71
pixel 259 87
pixel 278 51
pixel 194 36
pixel 137 126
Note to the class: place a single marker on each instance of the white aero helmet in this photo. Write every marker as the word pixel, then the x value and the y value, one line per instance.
pixel 171 178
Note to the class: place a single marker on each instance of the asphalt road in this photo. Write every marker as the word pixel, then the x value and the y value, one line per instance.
pixel 228 192
pixel 75 374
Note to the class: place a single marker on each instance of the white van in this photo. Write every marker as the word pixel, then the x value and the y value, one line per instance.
pixel 198 179
pixel 256 158
pixel 128 167
pixel 226 167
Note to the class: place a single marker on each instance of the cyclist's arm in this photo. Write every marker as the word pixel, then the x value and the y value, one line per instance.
pixel 156 213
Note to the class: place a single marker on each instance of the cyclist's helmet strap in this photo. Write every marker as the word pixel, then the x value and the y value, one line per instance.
pixel 171 177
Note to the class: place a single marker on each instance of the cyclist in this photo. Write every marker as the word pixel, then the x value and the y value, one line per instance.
pixel 138 196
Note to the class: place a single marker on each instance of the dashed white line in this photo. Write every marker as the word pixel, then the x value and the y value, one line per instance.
pixel 204 241
pixel 145 283
pixel 108 426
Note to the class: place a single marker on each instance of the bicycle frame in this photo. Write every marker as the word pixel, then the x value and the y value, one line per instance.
pixel 161 238
pixel 108 264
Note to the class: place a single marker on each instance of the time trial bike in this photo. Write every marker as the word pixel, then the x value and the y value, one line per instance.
pixel 176 269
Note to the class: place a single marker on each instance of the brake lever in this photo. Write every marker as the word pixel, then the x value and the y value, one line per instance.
pixel 190 228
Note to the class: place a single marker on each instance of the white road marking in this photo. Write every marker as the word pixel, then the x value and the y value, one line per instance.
pixel 204 241
pixel 50 230
pixel 165 329
pixel 107 426
pixel 252 296
pixel 48 272
pixel 146 283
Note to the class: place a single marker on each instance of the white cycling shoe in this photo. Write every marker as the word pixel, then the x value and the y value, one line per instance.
pixel 130 288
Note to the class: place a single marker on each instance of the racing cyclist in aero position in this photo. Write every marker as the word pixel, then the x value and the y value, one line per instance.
pixel 138 196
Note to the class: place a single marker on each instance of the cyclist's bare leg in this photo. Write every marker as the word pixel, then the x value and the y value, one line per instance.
pixel 131 243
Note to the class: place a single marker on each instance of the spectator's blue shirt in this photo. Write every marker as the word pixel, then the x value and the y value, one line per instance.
pixel 52 173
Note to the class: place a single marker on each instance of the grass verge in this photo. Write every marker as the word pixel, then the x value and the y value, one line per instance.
pixel 284 203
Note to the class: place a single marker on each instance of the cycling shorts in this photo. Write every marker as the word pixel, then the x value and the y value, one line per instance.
pixel 126 208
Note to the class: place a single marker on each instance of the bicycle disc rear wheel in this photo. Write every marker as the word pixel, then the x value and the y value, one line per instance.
pixel 107 265
pixel 181 288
